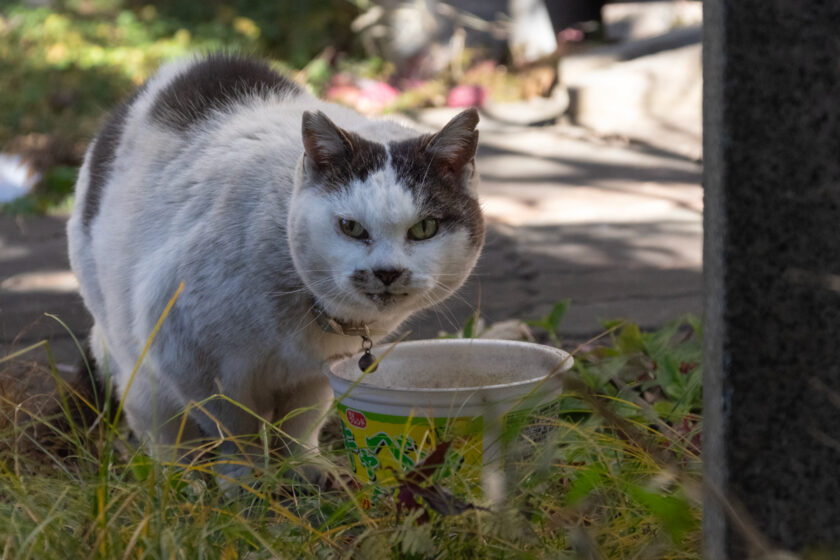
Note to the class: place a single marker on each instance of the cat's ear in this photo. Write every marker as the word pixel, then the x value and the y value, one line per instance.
pixel 324 143
pixel 455 144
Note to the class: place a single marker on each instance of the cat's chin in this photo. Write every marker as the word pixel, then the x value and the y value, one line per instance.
pixel 374 309
pixel 384 301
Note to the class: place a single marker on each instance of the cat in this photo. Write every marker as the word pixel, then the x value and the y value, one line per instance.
pixel 288 219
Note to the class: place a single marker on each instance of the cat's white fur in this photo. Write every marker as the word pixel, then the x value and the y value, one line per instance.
pixel 214 209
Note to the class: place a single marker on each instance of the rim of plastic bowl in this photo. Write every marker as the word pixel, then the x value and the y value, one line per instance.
pixel 565 363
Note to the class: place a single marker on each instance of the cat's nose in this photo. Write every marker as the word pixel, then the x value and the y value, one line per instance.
pixel 388 275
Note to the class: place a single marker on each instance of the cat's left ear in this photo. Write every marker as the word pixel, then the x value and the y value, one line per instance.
pixel 455 145
pixel 325 143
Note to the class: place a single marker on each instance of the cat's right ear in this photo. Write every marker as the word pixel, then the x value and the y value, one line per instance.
pixel 325 144
pixel 454 146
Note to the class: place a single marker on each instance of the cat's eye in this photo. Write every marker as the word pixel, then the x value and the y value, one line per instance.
pixel 353 229
pixel 424 229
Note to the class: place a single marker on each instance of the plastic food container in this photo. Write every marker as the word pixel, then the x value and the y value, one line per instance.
pixel 466 391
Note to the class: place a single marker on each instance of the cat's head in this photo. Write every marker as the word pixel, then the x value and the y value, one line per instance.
pixel 379 230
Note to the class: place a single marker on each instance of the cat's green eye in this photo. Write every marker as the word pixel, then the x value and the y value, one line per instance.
pixel 353 229
pixel 424 229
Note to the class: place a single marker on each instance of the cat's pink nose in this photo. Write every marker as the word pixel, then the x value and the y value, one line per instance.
pixel 388 275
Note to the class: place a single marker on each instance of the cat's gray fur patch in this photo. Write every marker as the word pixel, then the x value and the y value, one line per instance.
pixel 438 169
pixel 214 84
pixel 336 156
pixel 102 157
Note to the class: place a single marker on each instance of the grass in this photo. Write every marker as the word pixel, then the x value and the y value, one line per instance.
pixel 611 470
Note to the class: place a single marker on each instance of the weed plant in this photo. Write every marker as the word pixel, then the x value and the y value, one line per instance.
pixel 611 470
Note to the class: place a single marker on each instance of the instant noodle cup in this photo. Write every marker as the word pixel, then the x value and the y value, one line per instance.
pixel 469 392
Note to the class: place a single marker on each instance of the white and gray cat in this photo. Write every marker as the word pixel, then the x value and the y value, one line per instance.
pixel 282 215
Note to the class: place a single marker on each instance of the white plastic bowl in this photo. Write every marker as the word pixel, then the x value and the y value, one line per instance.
pixel 427 391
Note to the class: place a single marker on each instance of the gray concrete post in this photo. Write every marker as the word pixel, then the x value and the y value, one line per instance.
pixel 772 276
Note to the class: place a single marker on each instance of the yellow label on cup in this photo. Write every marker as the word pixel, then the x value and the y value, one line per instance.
pixel 380 442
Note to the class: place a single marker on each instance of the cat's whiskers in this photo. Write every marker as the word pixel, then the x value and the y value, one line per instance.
pixel 290 292
pixel 450 292
pixel 301 326
pixel 441 311
pixel 317 283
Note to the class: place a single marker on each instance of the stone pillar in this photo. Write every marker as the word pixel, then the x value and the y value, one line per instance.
pixel 772 276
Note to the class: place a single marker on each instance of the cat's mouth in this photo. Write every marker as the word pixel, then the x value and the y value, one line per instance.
pixel 386 299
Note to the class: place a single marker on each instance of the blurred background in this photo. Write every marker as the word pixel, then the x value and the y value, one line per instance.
pixel 590 145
